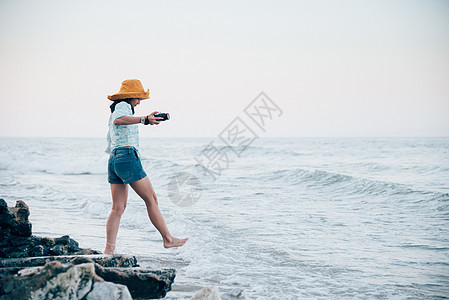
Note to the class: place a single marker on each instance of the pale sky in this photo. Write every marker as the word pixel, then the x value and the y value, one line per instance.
pixel 335 68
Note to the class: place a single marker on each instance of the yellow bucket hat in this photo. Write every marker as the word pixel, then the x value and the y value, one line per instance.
pixel 131 88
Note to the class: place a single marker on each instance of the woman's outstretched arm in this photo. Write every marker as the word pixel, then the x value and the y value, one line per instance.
pixel 128 120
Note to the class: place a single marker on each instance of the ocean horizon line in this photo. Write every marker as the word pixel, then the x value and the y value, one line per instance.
pixel 213 137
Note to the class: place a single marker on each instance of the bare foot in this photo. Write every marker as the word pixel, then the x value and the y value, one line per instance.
pixel 110 248
pixel 174 242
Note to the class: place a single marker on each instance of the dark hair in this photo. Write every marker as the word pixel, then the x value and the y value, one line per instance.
pixel 121 100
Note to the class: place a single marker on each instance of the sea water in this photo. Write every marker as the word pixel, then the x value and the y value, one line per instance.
pixel 287 218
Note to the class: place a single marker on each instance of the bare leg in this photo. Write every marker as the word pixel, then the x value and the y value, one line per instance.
pixel 119 198
pixel 144 189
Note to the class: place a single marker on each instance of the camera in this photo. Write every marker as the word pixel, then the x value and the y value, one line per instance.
pixel 166 116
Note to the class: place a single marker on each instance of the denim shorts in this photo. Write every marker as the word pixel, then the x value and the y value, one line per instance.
pixel 124 166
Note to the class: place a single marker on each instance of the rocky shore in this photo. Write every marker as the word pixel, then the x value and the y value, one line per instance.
pixel 33 267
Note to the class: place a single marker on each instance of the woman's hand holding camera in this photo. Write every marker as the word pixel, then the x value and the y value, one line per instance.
pixel 152 120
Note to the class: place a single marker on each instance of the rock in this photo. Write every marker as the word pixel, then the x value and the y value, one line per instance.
pixel 83 260
pixel 76 260
pixel 108 290
pixel 3 206
pixel 20 241
pixel 20 226
pixel 74 283
pixel 207 294
pixel 48 242
pixel 102 260
pixel 33 267
pixel 16 238
pixel 119 261
pixel 72 245
pixel 15 246
pixel 21 211
pixel 4 272
pixel 18 287
pixel 7 221
pixel 140 282
pixel 22 229
pixel 59 249
pixel 87 252
pixel 237 292
pixel 21 252
pixel 29 271
pixel 38 250
pixel 60 281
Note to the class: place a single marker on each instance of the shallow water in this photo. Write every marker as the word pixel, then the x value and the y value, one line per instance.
pixel 290 218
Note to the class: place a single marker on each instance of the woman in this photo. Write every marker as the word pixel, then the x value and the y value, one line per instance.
pixel 124 163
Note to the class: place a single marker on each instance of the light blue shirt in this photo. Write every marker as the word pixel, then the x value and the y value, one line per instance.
pixel 122 135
